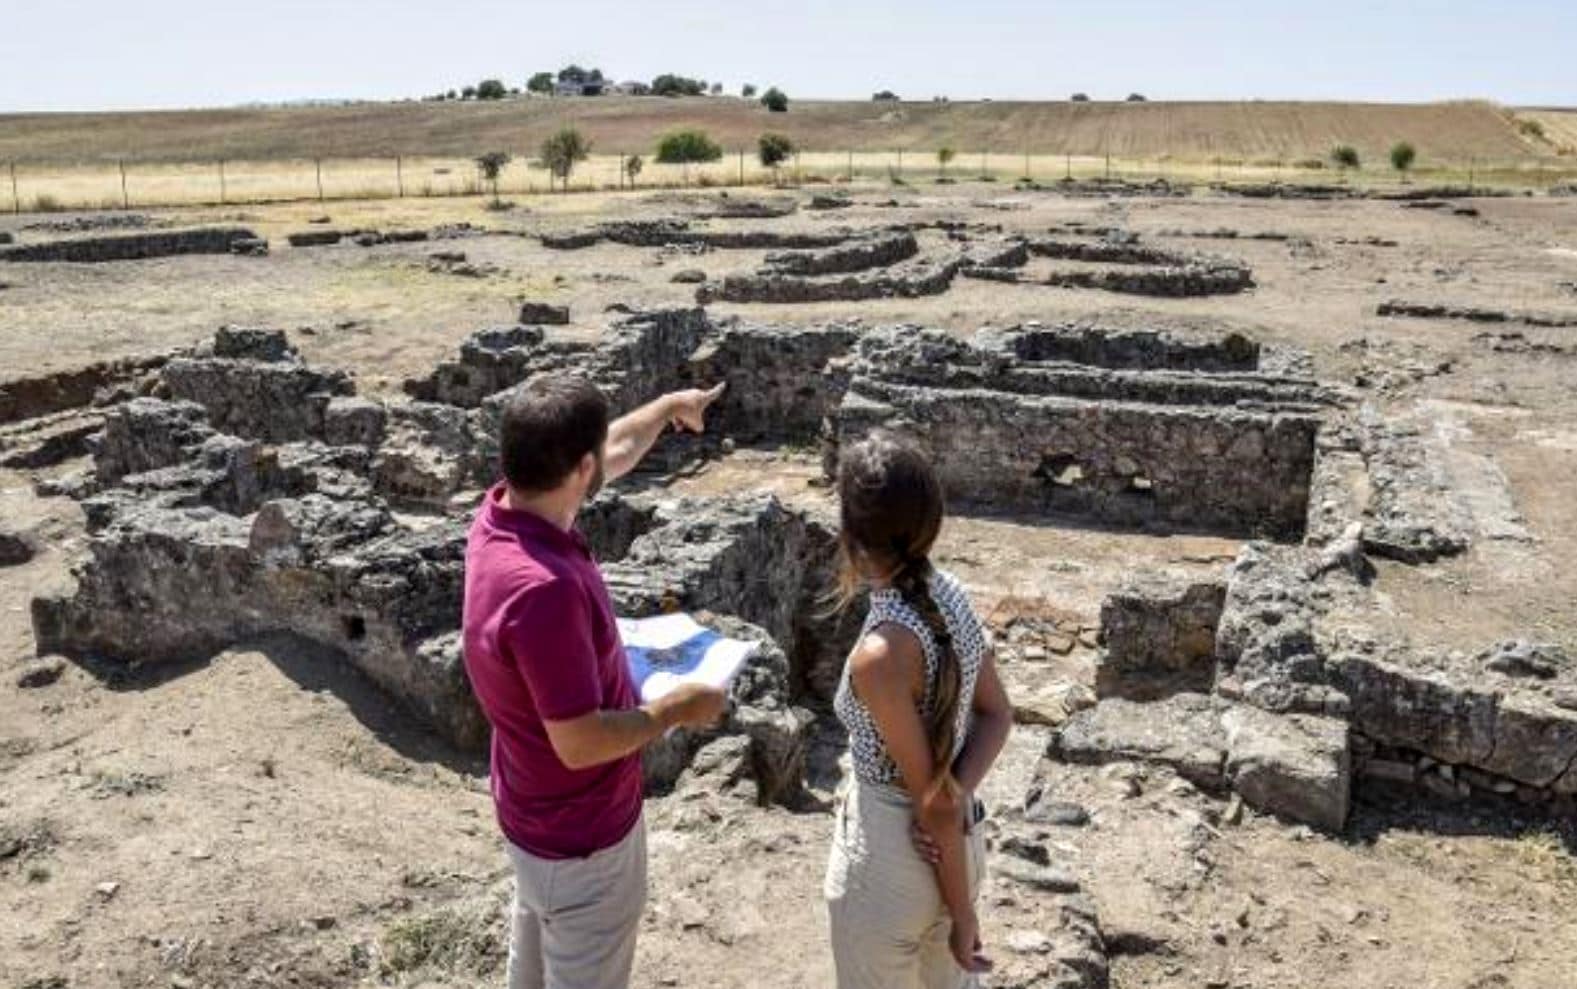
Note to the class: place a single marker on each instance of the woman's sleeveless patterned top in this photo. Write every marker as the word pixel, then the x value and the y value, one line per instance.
pixel 872 764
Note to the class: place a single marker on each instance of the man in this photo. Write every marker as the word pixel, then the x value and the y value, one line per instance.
pixel 543 653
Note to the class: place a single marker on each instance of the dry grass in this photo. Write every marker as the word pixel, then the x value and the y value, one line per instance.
pixel 1560 128
pixel 47 188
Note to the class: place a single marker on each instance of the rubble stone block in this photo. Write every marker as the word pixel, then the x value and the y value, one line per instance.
pixel 354 421
pixel 1160 637
pixel 1182 732
pixel 1297 766
pixel 271 401
pixel 543 314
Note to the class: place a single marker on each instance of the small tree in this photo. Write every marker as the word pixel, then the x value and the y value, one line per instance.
pixel 669 84
pixel 775 100
pixel 452 95
pixel 562 151
pixel 774 150
pixel 542 83
pixel 1345 156
pixel 1402 156
pixel 748 91
pixel 468 93
pixel 944 154
pixel 491 165
pixel 1135 97
pixel 885 96
pixel 1081 97
pixel 632 168
pixel 491 89
pixel 717 89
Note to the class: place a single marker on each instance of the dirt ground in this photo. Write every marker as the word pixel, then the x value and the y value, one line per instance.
pixel 267 818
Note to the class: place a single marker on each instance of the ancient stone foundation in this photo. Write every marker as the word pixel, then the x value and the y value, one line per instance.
pixel 131 247
pixel 1184 449
pixel 256 500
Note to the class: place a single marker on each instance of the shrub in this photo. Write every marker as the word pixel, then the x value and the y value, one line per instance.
pixel 1531 128
pixel 944 155
pixel 632 167
pixel 1081 97
pixel 1310 164
pixel 468 93
pixel 491 165
pixel 452 95
pixel 717 89
pixel 45 203
pixel 1345 156
pixel 774 150
pixel 885 96
pixel 775 100
pixel 1136 98
pixel 562 151
pixel 682 147
pixel 1402 156
pixel 669 84
pixel 542 82
pixel 491 89
pixel 748 90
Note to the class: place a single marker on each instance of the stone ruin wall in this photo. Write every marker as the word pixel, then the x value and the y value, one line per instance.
pixel 1128 449
pixel 130 247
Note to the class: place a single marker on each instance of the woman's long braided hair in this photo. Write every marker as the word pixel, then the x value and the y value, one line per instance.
pixel 891 512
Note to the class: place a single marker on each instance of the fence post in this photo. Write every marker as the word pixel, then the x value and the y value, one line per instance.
pixel 221 181
pixel 741 166
pixel 125 199
pixel 16 200
pixel 900 163
pixel 1470 163
pixel 1068 165
pixel 851 164
pixel 399 176
pixel 1108 165
pixel 319 163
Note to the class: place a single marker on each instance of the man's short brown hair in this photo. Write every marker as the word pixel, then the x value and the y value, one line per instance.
pixel 548 425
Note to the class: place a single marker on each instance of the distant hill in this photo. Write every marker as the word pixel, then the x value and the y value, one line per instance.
pixel 1453 131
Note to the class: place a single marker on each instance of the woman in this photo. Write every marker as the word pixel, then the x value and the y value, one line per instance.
pixel 926 716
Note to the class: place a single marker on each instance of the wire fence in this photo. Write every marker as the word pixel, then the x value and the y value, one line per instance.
pixel 45 187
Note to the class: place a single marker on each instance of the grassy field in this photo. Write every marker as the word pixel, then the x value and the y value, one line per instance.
pixel 1184 130
pixel 111 160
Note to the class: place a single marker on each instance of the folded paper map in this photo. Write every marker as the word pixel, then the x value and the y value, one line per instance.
pixel 666 651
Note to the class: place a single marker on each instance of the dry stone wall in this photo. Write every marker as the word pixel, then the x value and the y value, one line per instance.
pixel 132 247
pixel 1026 436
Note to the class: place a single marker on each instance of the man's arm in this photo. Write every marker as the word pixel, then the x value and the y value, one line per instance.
pixel 631 435
pixel 603 736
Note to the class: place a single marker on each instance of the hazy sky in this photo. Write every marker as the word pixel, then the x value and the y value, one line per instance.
pixel 64 55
